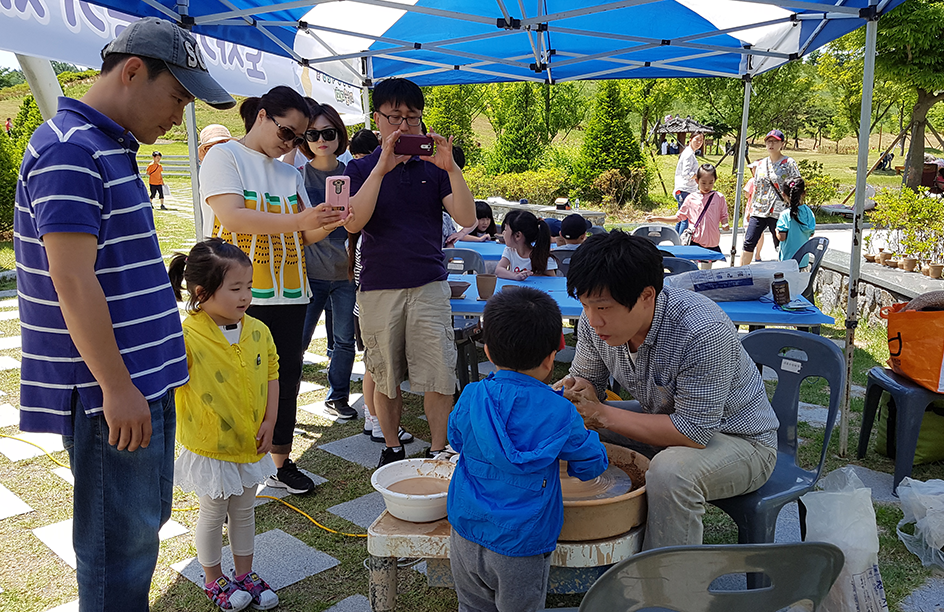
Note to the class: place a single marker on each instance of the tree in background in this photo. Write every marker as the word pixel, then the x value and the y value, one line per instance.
pixel 10 77
pixel 513 109
pixel 650 99
pixel 611 168
pixel 908 51
pixel 840 66
pixel 450 110
pixel 561 108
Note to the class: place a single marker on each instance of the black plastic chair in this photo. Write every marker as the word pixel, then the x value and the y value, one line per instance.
pixel 911 402
pixel 563 260
pixel 794 356
pixel 816 249
pixel 657 234
pixel 462 261
pixel 677 265
pixel 680 578
pixel 596 230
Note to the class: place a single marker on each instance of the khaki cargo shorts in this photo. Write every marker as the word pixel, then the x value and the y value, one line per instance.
pixel 409 330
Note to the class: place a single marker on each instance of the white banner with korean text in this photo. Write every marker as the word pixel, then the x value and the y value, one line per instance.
pixel 75 31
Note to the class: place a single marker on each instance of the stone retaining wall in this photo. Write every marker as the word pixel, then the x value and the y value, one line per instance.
pixel 878 286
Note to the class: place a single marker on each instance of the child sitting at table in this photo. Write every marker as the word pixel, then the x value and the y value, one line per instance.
pixel 796 224
pixel 706 209
pixel 528 247
pixel 573 231
pixel 484 228
pixel 505 503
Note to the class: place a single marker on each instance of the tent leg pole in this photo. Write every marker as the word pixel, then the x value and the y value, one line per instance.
pixel 365 91
pixel 739 189
pixel 852 305
pixel 43 84
pixel 192 143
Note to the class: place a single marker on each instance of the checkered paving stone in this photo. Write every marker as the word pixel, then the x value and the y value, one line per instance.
pixel 72 606
pixel 361 511
pixel 313 359
pixel 13 342
pixel 11 303
pixel 355 400
pixel 280 559
pixel 9 363
pixel 14 450
pixel 304 387
pixel 8 415
pixel 9 315
pixel 65 474
pixel 357 372
pixel 10 504
pixel 360 449
pixel 58 537
pixel 354 603
pixel 282 493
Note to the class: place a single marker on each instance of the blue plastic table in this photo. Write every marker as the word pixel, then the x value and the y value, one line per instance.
pixel 754 312
pixel 492 251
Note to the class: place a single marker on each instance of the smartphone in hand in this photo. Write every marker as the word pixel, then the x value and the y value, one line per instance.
pixel 338 194
pixel 413 144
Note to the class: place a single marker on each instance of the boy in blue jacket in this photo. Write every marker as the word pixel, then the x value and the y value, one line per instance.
pixel 505 504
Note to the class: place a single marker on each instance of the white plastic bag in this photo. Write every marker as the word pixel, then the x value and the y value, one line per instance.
pixel 923 505
pixel 741 283
pixel 842 514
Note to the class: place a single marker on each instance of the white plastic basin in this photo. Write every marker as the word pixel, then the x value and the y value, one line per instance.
pixel 413 508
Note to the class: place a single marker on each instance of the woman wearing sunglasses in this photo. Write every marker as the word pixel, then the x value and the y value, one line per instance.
pixel 258 203
pixel 326 261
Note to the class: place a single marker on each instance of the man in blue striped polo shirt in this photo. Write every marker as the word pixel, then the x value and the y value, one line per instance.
pixel 102 343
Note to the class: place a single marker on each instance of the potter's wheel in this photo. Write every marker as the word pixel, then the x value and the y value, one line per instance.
pixel 611 483
pixel 609 505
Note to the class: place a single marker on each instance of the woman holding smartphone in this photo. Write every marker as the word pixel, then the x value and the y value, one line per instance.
pixel 326 261
pixel 260 204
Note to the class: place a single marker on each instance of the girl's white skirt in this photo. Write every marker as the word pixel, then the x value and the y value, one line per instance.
pixel 218 478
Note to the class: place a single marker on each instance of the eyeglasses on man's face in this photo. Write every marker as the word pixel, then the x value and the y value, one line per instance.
pixel 286 134
pixel 328 134
pixel 397 120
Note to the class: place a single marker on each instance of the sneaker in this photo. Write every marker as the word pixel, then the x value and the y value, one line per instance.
pixel 290 478
pixel 163 207
pixel 227 595
pixel 441 455
pixel 389 455
pixel 261 594
pixel 340 409
pixel 369 424
pixel 377 435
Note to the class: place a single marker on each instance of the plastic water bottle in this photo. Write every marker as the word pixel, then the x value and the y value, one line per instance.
pixel 577 204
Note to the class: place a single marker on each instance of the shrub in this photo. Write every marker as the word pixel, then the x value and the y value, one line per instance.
pixel 538 186
pixel 912 224
pixel 12 148
pixel 820 187
pixel 616 187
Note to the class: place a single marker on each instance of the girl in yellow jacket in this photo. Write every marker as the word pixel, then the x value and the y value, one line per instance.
pixel 225 415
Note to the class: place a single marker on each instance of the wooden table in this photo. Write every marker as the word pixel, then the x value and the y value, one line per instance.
pixel 389 538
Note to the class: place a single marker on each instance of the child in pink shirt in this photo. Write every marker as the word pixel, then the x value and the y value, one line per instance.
pixel 707 234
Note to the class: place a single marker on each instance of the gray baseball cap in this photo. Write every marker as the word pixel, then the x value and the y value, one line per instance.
pixel 160 39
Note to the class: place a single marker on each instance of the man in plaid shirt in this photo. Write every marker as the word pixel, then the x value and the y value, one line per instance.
pixel 700 413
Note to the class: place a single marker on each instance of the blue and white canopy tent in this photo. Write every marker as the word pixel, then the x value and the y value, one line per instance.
pixel 442 42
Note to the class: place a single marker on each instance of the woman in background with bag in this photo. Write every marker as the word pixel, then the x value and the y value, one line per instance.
pixel 705 210
pixel 771 177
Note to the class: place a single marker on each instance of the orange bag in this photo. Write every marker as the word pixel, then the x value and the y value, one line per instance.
pixel 916 345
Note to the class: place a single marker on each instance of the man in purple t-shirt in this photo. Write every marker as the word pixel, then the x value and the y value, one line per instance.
pixel 405 316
